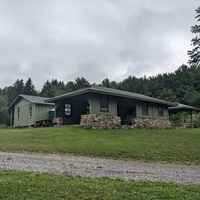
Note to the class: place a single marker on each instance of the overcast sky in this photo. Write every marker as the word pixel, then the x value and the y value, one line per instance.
pixel 95 39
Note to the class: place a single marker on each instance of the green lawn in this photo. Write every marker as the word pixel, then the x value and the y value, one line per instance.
pixel 22 185
pixel 181 146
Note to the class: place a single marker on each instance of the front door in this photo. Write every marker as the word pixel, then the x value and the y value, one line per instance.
pixel 127 112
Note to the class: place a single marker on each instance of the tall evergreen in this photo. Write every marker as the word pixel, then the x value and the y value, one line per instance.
pixel 29 88
pixel 14 90
pixel 194 54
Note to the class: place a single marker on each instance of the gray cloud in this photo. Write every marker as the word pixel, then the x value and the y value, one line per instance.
pixel 95 39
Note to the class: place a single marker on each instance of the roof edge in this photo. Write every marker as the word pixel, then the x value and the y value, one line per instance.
pixel 18 98
pixel 89 88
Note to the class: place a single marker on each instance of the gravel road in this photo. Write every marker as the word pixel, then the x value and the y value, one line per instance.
pixel 95 167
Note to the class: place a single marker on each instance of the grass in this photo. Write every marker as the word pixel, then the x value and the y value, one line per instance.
pixel 180 146
pixel 22 185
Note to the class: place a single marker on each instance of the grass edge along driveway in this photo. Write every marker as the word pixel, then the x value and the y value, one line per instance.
pixel 179 146
pixel 23 185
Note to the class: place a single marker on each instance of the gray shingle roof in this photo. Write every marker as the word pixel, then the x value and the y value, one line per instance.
pixel 35 99
pixel 109 91
pixel 32 99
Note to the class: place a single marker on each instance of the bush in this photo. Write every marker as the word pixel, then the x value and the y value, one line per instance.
pixel 3 126
pixel 197 120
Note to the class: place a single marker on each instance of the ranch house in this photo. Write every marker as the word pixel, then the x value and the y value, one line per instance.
pixel 94 106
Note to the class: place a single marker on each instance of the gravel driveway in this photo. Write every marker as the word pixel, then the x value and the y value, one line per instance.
pixel 95 167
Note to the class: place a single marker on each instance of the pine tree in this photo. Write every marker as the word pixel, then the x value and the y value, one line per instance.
pixel 29 88
pixel 14 90
pixel 194 54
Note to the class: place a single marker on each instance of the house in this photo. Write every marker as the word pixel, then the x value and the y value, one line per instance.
pixel 100 107
pixel 26 110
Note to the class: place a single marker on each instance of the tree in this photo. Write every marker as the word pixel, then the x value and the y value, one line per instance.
pixel 3 110
pixel 19 86
pixel 79 81
pixel 114 85
pixel 15 90
pixel 29 88
pixel 167 95
pixel 69 86
pixel 108 84
pixel 194 54
pixel 49 88
pixel 55 87
pixel 105 83
pixel 194 99
pixel 129 84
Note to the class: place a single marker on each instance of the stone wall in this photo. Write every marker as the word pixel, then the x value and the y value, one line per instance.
pixel 100 121
pixel 150 123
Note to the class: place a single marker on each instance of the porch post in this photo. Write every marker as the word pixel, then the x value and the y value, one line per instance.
pixel 182 118
pixel 191 120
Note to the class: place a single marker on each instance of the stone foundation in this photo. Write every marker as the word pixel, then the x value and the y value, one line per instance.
pixel 59 121
pixel 150 123
pixel 111 122
pixel 100 121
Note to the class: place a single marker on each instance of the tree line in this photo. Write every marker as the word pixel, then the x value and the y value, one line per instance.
pixel 181 86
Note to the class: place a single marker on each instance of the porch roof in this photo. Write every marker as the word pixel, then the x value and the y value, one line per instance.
pixel 183 107
pixel 86 88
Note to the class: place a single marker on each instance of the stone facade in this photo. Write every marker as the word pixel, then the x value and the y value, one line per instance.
pixel 108 122
pixel 100 121
pixel 150 123
pixel 94 121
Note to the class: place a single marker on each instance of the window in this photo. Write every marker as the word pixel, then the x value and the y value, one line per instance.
pixel 67 109
pixel 88 109
pixel 160 110
pixel 30 111
pixel 104 104
pixel 17 112
pixel 145 109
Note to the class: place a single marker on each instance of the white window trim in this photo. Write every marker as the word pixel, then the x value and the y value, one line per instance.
pixel 68 109
pixel 104 106
pixel 18 111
